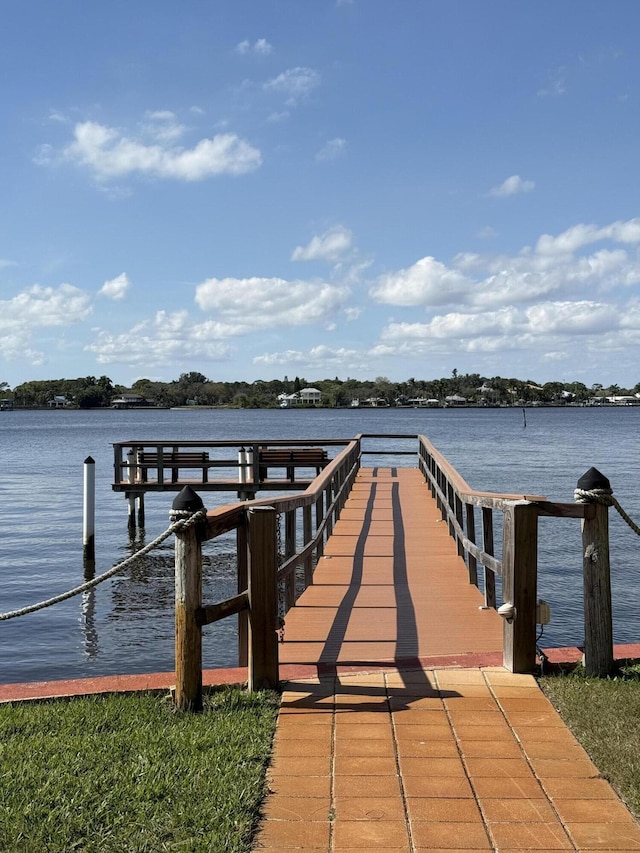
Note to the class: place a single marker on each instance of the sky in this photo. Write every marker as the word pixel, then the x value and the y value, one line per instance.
pixel 320 188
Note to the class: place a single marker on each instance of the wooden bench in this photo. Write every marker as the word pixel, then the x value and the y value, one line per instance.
pixel 291 458
pixel 175 460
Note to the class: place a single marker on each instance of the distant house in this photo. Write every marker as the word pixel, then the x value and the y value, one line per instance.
pixel 129 401
pixel 59 402
pixel 305 397
pixel 310 397
pixel 455 400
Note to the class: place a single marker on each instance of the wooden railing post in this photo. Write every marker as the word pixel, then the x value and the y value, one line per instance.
pixel 307 536
pixel 188 596
pixel 289 551
pixel 243 582
pixel 487 544
pixel 471 535
pixel 519 584
pixel 263 568
pixel 598 621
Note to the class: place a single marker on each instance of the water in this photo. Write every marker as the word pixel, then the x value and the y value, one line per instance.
pixel 126 624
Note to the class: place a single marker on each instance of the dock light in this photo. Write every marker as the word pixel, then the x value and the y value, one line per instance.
pixel 507 611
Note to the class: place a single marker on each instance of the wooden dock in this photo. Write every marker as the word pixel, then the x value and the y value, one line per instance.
pixel 391 586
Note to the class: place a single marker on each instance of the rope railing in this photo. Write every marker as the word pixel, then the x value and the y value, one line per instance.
pixel 183 519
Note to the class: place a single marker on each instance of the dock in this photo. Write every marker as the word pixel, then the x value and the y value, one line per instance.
pixel 403 732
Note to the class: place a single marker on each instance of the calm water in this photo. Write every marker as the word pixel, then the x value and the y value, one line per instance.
pixel 126 624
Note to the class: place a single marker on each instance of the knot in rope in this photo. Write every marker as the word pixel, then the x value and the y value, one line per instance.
pixel 183 518
pixel 604 497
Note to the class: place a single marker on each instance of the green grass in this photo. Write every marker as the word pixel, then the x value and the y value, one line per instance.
pixel 604 714
pixel 128 773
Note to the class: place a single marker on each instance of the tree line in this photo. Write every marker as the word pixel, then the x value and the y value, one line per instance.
pixel 195 388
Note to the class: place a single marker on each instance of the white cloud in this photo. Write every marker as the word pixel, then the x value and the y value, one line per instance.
pixel 261 47
pixel 512 186
pixel 332 150
pixel 35 309
pixel 116 288
pixel 328 246
pixel 295 84
pixel 578 236
pixel 45 306
pixel 109 153
pixel 259 303
pixel 159 341
pixel 323 360
pixel 486 233
pixel 426 282
pixel 553 270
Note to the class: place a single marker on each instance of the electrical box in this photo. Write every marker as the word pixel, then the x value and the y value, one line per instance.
pixel 543 612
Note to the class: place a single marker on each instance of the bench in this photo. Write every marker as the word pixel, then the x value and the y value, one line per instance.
pixel 175 460
pixel 291 458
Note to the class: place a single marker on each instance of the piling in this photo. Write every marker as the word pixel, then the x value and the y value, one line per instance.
pixel 89 510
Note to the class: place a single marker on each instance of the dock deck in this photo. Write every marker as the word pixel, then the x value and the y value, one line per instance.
pixel 390 586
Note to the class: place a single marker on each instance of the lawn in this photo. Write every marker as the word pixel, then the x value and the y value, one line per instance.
pixel 604 714
pixel 129 773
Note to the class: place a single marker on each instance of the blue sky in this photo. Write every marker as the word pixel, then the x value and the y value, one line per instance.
pixel 349 188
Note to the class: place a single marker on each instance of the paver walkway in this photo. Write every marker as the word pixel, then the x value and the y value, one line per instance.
pixel 410 755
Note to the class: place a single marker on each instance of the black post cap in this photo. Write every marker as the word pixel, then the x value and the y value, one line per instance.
pixel 593 479
pixel 188 500
pixel 89 460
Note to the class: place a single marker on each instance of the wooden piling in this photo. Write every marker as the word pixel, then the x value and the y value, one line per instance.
pixel 188 600
pixel 598 621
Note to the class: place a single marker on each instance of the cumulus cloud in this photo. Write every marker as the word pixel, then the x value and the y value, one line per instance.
pixel 159 341
pixel 512 186
pixel 295 84
pixel 110 153
pixel 332 150
pixel 116 288
pixel 35 309
pixel 260 47
pixel 45 306
pixel 320 358
pixel 328 246
pixel 258 303
pixel 426 282
pixel 530 302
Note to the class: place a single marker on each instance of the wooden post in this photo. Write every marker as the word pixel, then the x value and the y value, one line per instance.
pixel 487 544
pixel 289 551
pixel 319 519
pixel 130 496
pixel 471 535
pixel 263 567
pixel 243 583
pixel 307 535
pixel 598 621
pixel 519 584
pixel 188 570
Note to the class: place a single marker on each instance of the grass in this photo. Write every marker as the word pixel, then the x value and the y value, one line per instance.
pixel 128 773
pixel 604 714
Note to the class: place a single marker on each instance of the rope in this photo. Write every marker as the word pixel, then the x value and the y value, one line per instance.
pixel 183 519
pixel 606 498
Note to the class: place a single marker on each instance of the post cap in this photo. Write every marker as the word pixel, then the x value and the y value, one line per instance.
pixel 593 479
pixel 89 460
pixel 188 500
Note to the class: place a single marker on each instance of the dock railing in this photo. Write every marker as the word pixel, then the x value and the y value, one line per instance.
pixel 518 565
pixel 273 568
